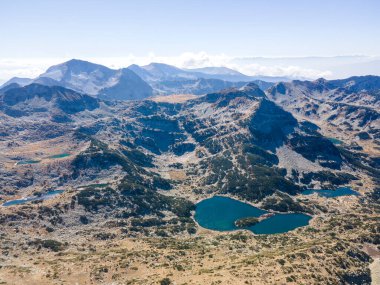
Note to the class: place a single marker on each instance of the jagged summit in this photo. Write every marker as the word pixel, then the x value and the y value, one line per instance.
pixel 254 89
pixel 368 83
pixel 352 105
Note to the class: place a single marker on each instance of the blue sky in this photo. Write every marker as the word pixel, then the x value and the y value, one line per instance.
pixel 167 28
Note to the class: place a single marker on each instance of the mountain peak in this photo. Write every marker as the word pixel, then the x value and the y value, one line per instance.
pixel 320 80
pixel 75 60
pixel 252 89
pixel 162 67
pixel 76 66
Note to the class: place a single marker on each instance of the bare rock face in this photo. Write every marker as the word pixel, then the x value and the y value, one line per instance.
pixel 350 104
pixel 40 98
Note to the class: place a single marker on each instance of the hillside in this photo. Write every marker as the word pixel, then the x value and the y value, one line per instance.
pixel 133 172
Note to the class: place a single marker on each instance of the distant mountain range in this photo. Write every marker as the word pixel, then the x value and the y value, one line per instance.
pixel 161 71
pixel 166 79
pixel 139 82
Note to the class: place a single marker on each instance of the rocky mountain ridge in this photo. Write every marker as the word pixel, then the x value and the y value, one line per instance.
pixel 137 82
pixel 348 107
pixel 135 170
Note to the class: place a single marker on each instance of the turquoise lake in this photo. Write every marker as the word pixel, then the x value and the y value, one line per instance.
pixel 61 155
pixel 280 223
pixel 343 191
pixel 220 213
pixel 335 141
pixel 28 162
pixel 45 196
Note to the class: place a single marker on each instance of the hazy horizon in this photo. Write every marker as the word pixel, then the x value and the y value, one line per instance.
pixel 253 37
pixel 313 67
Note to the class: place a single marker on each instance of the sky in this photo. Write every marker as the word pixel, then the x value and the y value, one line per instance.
pixel 38 33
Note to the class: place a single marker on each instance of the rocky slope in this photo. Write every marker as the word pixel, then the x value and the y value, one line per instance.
pixel 348 107
pixel 36 99
pixel 136 169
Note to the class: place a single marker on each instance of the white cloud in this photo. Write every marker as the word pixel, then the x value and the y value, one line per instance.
pixel 289 71
pixel 25 67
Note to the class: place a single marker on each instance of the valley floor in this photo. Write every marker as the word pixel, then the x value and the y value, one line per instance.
pixel 330 250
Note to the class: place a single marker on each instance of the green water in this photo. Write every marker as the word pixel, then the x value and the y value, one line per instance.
pixel 98 185
pixel 61 155
pixel 28 162
pixel 220 213
pixel 335 141
pixel 343 191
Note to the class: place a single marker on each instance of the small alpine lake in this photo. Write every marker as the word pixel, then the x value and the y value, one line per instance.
pixel 335 141
pixel 31 161
pixel 329 193
pixel 34 161
pixel 60 155
pixel 45 196
pixel 220 213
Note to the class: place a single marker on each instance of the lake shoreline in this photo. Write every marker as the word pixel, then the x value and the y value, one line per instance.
pixel 220 213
